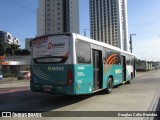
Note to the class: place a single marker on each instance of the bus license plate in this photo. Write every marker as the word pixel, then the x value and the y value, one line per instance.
pixel 47 89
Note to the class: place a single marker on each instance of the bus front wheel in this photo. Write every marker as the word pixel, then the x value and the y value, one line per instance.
pixel 109 85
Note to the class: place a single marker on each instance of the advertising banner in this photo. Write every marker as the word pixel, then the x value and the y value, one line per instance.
pixel 51 46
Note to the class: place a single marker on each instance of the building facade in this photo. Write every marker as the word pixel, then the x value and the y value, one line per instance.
pixel 7 38
pixel 109 22
pixel 28 44
pixel 57 16
pixel 14 64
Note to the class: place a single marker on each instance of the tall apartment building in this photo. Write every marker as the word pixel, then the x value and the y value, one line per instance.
pixel 57 16
pixel 6 37
pixel 28 44
pixel 109 22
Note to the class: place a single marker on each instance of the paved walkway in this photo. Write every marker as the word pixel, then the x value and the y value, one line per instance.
pixel 153 107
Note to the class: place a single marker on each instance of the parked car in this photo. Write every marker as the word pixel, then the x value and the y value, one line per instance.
pixel 1 76
pixel 23 75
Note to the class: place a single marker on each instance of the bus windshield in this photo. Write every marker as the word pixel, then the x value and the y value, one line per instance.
pixel 50 49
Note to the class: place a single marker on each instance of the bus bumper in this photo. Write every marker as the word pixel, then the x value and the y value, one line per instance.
pixel 68 89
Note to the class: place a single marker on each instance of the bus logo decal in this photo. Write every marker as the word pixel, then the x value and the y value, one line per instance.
pixel 111 60
pixel 50 68
pixel 38 73
pixel 118 71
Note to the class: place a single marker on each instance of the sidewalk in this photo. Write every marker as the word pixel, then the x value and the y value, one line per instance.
pixel 9 83
pixel 12 80
pixel 153 104
pixel 141 73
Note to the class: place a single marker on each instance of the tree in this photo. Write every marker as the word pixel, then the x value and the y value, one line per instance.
pixel 25 52
pixel 14 51
pixel 2 53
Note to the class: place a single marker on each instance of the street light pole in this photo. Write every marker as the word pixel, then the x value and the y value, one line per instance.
pixel 85 31
pixel 131 45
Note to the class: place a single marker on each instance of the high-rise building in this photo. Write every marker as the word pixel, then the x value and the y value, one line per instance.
pixel 109 22
pixel 7 38
pixel 57 16
pixel 28 44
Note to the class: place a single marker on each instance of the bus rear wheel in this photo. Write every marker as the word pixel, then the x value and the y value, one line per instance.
pixel 109 85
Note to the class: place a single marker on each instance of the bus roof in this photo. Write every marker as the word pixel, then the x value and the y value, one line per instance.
pixel 100 43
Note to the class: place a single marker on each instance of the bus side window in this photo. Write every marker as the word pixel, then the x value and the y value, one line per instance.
pixel 117 58
pixel 108 53
pixel 104 55
pixel 127 60
pixel 83 51
pixel 113 57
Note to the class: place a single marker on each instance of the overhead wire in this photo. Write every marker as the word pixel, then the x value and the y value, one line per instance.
pixel 21 5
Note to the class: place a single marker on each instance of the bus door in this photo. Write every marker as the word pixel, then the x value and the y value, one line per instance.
pixel 97 69
pixel 123 68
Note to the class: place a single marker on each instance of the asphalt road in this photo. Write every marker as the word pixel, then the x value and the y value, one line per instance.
pixel 137 96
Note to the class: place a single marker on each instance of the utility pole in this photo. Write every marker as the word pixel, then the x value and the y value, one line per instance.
pixel 130 42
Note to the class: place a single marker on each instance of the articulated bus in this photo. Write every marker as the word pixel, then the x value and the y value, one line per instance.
pixel 72 64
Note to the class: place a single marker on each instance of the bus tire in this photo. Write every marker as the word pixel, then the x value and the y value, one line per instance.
pixel 109 85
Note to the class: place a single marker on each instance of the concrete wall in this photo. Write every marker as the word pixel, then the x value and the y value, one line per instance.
pixel 142 65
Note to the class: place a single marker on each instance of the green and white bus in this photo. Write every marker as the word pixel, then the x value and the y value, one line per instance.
pixel 73 64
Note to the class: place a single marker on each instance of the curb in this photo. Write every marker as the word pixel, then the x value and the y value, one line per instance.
pixel 154 104
pixel 13 81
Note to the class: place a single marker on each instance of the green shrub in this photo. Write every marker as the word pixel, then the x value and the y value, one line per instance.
pixel 9 75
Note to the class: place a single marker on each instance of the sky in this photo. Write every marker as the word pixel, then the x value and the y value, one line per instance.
pixel 18 17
